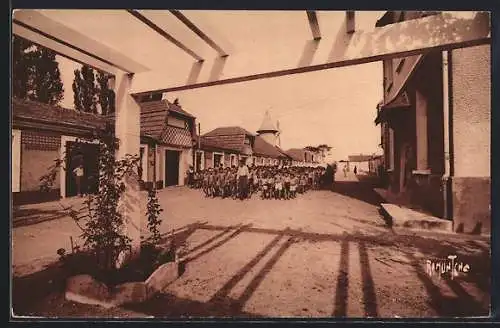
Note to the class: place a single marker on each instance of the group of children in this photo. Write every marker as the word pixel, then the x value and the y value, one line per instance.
pixel 268 182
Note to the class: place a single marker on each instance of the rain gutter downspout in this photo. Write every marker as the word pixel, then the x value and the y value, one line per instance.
pixel 448 134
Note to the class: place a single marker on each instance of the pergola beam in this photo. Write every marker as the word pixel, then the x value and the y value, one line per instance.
pixel 70 43
pixel 62 50
pixel 312 17
pixel 163 33
pixel 186 21
pixel 407 38
pixel 350 21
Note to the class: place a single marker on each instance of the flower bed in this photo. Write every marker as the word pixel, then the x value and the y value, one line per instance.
pixel 136 281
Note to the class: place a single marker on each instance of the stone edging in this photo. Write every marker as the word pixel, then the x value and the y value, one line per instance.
pixel 87 290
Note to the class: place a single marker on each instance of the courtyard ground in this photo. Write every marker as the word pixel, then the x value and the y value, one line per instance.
pixel 322 254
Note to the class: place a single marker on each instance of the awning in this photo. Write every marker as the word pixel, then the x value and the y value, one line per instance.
pixel 402 101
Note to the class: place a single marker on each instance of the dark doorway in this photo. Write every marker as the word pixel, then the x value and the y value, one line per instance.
pixel 172 167
pixel 82 153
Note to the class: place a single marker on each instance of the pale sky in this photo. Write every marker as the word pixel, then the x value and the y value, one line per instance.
pixel 335 106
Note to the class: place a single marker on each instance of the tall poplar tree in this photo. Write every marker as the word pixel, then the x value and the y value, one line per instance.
pixel 91 92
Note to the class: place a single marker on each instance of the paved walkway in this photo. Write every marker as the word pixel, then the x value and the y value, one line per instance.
pixel 322 254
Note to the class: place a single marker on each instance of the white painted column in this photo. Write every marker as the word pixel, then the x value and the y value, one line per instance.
pixel 421 127
pixel 127 130
pixel 16 161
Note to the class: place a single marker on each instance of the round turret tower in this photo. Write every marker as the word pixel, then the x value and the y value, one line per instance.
pixel 268 130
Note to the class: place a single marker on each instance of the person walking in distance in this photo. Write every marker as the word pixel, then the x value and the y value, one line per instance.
pixel 355 169
pixel 79 173
pixel 243 180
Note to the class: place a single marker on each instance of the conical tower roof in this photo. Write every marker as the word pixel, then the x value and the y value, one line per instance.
pixel 267 124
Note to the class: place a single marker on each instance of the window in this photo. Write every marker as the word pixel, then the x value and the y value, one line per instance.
pixel 400 65
pixel 218 159
pixel 247 141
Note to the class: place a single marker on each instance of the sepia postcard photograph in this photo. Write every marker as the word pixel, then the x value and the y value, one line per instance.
pixel 193 164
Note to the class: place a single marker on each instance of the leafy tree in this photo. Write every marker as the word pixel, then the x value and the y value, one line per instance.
pixel 102 225
pixel 77 91
pixel 106 96
pixel 35 73
pixel 91 91
pixel 322 149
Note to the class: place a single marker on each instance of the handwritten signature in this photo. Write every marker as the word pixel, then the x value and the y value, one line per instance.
pixel 444 266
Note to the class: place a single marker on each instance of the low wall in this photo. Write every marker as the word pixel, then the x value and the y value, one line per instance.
pixel 427 194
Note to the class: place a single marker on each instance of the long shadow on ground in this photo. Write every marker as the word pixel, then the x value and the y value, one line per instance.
pixel 26 298
pixel 221 305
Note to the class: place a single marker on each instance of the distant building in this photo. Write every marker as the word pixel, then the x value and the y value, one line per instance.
pixel 225 146
pixel 435 127
pixel 375 163
pixel 265 153
pixel 361 162
pixel 302 157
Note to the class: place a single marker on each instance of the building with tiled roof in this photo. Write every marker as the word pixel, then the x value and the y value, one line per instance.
pixel 40 135
pixel 225 146
pixel 300 156
pixel 168 135
pixel 43 133
pixel 267 154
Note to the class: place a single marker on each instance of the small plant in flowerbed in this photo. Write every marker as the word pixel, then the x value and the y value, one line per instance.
pixel 106 251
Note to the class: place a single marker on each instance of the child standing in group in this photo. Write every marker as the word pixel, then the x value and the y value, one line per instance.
pixel 303 183
pixel 293 186
pixel 256 180
pixel 263 185
pixel 278 186
pixel 270 185
pixel 286 189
